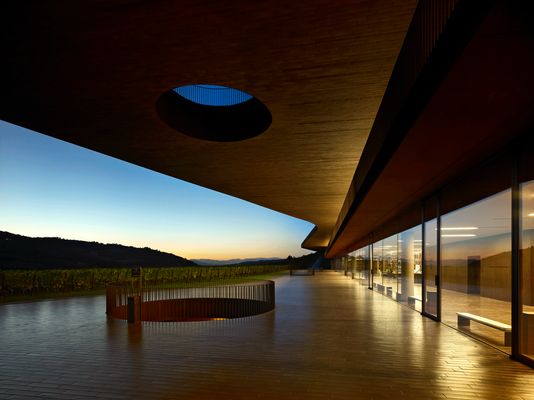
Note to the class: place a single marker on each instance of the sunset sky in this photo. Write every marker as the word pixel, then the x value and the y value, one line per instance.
pixel 52 188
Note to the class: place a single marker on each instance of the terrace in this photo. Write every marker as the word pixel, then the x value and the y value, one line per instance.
pixel 329 337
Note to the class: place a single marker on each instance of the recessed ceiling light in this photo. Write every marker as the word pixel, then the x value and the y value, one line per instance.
pixel 460 235
pixel 459 228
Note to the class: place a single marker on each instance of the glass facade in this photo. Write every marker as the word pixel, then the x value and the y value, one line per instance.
pixel 360 266
pixel 377 266
pixel 389 267
pixel 409 267
pixel 396 266
pixel 430 269
pixel 526 253
pixel 476 269
pixel 365 254
pixel 457 267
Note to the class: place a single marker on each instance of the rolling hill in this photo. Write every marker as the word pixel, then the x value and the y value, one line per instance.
pixel 18 251
pixel 239 261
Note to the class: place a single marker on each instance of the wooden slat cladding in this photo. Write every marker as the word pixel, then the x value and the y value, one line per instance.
pixel 480 102
pixel 428 23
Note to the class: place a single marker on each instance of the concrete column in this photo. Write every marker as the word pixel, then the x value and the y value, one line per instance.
pixel 407 262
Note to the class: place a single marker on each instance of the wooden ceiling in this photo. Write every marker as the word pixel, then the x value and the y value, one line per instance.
pixel 480 110
pixel 90 73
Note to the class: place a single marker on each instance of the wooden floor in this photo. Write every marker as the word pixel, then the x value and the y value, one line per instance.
pixel 329 338
pixel 454 302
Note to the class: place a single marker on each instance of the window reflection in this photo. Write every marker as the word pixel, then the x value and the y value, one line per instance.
pixel 526 342
pixel 476 272
pixel 409 267
pixel 377 267
pixel 366 256
pixel 389 265
pixel 396 267
pixel 476 269
pixel 431 268
pixel 360 270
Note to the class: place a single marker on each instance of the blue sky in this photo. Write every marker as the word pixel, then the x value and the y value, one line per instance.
pixel 52 188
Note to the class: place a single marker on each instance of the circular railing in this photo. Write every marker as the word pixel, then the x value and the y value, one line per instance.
pixel 211 302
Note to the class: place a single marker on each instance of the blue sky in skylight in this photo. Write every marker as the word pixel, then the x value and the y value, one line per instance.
pixel 213 95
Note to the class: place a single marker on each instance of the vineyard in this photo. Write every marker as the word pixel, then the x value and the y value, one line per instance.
pixel 29 282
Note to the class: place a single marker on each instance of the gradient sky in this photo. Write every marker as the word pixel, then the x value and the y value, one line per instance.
pixel 53 188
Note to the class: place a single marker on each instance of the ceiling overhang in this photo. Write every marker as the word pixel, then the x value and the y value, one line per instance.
pixel 91 72
pixel 479 103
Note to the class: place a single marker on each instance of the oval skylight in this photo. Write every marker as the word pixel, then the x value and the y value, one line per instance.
pixel 213 95
pixel 213 112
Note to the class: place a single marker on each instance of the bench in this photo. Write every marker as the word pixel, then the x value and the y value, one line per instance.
pixel 412 300
pixel 382 289
pixel 527 334
pixel 464 320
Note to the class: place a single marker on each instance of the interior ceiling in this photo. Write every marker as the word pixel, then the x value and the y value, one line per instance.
pixel 90 73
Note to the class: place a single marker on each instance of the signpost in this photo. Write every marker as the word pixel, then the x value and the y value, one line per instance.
pixel 136 272
pixel 134 302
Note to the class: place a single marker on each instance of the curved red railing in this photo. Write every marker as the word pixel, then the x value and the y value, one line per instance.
pixel 210 302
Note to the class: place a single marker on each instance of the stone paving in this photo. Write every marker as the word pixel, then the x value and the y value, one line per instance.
pixel 329 338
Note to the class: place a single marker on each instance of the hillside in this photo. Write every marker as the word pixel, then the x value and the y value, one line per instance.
pixel 17 251
pixel 305 261
pixel 239 261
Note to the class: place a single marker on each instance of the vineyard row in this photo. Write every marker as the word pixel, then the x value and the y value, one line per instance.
pixel 27 282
